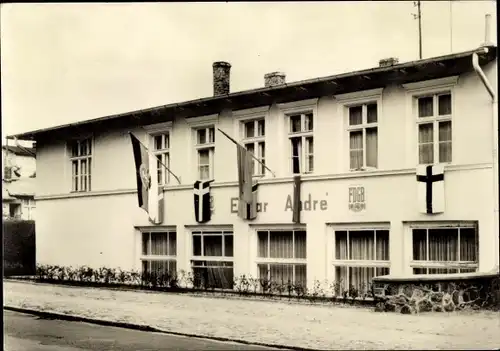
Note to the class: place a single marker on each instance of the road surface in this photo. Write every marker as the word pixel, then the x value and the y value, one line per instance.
pixel 25 332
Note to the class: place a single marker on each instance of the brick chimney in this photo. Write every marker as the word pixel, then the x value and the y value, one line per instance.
pixel 221 77
pixel 387 62
pixel 274 78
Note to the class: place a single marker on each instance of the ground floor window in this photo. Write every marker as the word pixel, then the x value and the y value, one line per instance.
pixel 212 260
pixel 444 250
pixel 282 256
pixel 360 255
pixel 159 251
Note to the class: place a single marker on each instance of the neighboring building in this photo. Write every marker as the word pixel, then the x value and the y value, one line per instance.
pixel 18 182
pixel 355 138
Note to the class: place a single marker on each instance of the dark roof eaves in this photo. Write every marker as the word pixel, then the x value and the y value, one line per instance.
pixel 254 91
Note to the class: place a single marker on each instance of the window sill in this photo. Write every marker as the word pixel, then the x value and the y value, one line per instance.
pixel 363 169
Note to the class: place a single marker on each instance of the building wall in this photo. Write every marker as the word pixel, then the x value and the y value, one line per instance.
pixel 26 163
pixel 98 229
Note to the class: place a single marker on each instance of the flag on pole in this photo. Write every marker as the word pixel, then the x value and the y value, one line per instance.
pixel 202 208
pixel 252 208
pixel 296 199
pixel 430 183
pixel 246 191
pixel 149 194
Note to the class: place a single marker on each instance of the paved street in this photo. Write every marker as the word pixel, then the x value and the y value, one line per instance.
pixel 24 332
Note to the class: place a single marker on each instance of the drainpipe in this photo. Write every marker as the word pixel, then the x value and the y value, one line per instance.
pixel 494 103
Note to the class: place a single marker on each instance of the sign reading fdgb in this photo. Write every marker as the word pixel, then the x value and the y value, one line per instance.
pixel 357 198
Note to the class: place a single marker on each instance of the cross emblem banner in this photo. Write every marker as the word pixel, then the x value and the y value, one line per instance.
pixel 430 184
pixel 201 192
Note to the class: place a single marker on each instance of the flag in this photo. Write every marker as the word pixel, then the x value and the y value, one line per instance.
pixel 252 207
pixel 430 184
pixel 202 210
pixel 150 196
pixel 245 188
pixel 296 199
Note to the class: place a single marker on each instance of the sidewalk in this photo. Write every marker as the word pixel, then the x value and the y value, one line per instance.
pixel 276 323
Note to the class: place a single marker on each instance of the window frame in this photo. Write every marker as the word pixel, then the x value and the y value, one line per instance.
pixel 149 258
pixel 280 261
pixel 241 118
pixel 435 120
pixel 421 89
pixel 208 146
pixel 222 262
pixel 428 264
pixel 153 131
pixel 201 233
pixel 195 124
pixel 348 100
pixel 258 170
pixel 301 107
pixel 78 159
pixel 331 248
pixel 29 205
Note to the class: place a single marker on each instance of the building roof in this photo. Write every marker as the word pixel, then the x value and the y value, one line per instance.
pixel 20 151
pixel 20 187
pixel 431 68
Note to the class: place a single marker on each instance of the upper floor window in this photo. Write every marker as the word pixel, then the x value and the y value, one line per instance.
pixel 434 128
pixel 362 129
pixel 161 149
pixel 300 134
pixel 254 136
pixel 81 164
pixel 205 148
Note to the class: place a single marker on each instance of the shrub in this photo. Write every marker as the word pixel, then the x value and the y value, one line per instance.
pixel 189 281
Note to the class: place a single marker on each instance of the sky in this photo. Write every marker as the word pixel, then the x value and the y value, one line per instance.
pixel 63 63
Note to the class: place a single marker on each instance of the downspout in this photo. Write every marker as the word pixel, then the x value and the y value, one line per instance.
pixel 494 102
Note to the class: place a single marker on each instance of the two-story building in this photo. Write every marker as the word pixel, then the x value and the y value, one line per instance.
pixel 357 140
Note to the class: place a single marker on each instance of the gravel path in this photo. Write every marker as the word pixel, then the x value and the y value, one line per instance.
pixel 297 325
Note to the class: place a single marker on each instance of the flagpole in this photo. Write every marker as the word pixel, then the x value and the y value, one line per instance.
pixel 251 154
pixel 169 171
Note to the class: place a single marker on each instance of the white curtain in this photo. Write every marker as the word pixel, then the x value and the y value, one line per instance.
pixel 204 164
pixel 445 141
pixel 355 115
pixel 426 146
pixel 371 113
pixel 425 106
pixel 172 244
pixel 251 148
pixel 310 154
pixel 361 245
pixel 158 244
pixel 356 149
pixel 283 273
pixel 443 247
pixel 371 147
pixel 445 104
pixel 281 245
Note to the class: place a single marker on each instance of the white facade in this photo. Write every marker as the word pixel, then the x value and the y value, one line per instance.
pixel 103 227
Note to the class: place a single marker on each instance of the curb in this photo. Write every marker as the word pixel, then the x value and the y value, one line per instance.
pixel 146 328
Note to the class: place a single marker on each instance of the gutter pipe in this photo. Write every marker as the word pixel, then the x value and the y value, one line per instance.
pixel 494 106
